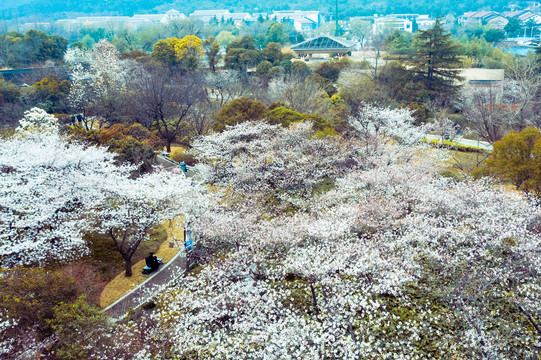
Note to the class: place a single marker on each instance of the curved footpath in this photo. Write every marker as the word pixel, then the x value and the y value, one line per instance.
pixel 154 284
pixel 475 143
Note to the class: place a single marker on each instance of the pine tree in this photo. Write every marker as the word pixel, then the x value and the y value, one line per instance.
pixel 436 61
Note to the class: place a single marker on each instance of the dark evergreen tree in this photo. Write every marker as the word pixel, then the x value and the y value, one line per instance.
pixel 435 61
pixel 513 27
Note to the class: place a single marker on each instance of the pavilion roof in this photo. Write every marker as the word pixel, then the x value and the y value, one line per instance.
pixel 325 42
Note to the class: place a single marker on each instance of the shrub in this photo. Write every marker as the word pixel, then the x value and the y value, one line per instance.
pixel 78 328
pixel 29 296
pixel 180 155
pixel 238 111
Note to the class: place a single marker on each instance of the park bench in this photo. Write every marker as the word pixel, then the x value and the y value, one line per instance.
pixel 147 270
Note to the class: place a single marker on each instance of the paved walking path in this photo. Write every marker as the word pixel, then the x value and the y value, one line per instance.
pixel 154 284
pixel 475 143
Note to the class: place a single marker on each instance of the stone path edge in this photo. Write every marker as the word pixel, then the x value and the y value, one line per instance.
pixel 141 284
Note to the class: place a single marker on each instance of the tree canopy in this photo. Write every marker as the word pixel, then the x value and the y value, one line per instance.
pixel 517 158
pixel 435 60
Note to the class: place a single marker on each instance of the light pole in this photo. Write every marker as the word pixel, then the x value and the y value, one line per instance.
pixel 336 30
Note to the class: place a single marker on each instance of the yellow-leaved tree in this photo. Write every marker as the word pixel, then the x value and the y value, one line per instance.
pixel 183 53
pixel 189 51
pixel 517 158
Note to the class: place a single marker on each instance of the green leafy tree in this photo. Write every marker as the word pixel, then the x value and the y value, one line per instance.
pixel 11 106
pixel 399 43
pixel 273 53
pixel 513 27
pixel 241 59
pixel 238 111
pixel 9 92
pixel 264 69
pixel 276 33
pixel 298 71
pixel 225 38
pixel 284 116
pixel 164 52
pixel 50 94
pixel 328 71
pixel 517 158
pixel 246 42
pixel 494 35
pixel 242 54
pixel 46 47
pixel 436 60
pixel 212 50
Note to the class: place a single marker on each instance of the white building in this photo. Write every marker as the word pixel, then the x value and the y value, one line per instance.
pixel 207 15
pixel 301 20
pixel 391 22
pixel 135 21
pixel 402 22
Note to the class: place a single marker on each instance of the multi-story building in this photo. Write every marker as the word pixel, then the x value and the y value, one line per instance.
pixel 402 22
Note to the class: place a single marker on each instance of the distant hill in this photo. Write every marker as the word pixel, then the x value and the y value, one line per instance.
pixel 56 9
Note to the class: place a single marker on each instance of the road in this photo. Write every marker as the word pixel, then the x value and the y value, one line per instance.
pixel 480 144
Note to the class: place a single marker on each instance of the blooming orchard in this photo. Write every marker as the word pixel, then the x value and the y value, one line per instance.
pixel 53 191
pixel 317 248
pixel 392 262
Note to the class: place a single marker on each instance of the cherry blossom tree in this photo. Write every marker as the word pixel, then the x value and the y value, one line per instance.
pixel 100 78
pixel 132 207
pixel 46 184
pixel 38 118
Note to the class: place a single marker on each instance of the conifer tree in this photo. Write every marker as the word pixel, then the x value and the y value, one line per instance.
pixel 435 60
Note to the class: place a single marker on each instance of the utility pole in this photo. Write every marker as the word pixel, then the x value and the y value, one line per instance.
pixel 336 31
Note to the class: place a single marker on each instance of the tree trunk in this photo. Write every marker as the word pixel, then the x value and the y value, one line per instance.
pixel 169 145
pixel 128 267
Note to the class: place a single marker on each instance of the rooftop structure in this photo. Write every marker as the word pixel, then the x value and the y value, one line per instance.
pixel 323 45
pixel 523 15
pixel 490 17
pixel 483 78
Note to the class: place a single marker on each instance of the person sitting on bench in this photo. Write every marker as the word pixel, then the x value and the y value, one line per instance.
pixel 152 262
